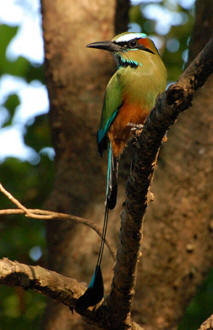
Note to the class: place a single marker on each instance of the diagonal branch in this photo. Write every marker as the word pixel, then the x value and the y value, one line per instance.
pixel 207 324
pixel 49 283
pixel 169 105
pixel 64 289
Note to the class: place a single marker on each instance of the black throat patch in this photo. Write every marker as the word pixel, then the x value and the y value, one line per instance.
pixel 124 62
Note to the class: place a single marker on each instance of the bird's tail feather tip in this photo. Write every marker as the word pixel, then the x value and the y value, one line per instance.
pixel 112 198
pixel 94 292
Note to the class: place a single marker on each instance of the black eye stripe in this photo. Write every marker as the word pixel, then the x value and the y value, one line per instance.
pixel 121 43
pixel 127 44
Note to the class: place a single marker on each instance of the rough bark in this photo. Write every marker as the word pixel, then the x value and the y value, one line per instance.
pixel 203 28
pixel 76 79
pixel 208 324
pixel 177 249
pixel 178 238
pixel 44 281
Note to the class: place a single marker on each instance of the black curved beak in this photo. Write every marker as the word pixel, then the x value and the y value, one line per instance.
pixel 113 47
pixel 106 45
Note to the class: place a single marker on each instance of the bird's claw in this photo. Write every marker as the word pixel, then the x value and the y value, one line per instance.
pixel 136 129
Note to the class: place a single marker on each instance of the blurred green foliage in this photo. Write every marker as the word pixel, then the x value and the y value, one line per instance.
pixel 200 307
pixel 173 35
pixel 11 104
pixel 21 67
pixel 21 309
pixel 21 237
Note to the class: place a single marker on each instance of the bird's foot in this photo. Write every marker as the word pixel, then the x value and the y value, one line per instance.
pixel 136 129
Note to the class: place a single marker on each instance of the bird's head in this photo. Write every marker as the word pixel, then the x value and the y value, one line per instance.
pixel 127 41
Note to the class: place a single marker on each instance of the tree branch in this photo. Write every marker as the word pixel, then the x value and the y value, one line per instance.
pixel 169 105
pixel 208 324
pixel 49 283
pixel 64 289
pixel 49 215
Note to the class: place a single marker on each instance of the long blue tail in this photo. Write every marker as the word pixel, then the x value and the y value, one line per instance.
pixel 112 180
pixel 95 290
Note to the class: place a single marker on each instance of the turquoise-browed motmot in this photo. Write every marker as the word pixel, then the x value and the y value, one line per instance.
pixel 130 96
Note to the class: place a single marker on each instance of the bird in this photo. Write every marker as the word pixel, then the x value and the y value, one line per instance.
pixel 129 97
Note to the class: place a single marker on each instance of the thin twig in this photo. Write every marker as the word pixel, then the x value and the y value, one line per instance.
pixel 49 215
pixel 13 199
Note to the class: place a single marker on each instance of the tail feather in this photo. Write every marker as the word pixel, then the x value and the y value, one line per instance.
pixel 95 290
pixel 112 180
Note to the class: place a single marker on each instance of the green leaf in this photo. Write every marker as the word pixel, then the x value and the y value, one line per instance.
pixel 21 67
pixel 7 33
pixel 11 104
pixel 38 134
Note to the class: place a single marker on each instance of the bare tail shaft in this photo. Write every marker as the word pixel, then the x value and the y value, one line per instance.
pixel 111 196
pixel 112 180
pixel 95 290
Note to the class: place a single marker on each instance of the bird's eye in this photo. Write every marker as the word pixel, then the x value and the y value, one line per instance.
pixel 132 43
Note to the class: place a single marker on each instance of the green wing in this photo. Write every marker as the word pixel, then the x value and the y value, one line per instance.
pixel 112 103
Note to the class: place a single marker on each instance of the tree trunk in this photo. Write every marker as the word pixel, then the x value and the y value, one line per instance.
pixel 76 79
pixel 178 236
